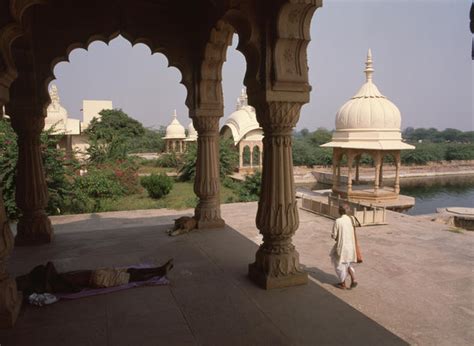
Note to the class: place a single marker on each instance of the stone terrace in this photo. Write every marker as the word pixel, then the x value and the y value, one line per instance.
pixel 415 285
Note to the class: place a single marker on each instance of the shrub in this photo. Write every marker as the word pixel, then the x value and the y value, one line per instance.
pixel 460 152
pixel 249 190
pixel 168 160
pixel 97 184
pixel 157 185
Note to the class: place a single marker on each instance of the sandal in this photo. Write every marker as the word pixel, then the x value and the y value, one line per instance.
pixel 340 285
pixel 354 284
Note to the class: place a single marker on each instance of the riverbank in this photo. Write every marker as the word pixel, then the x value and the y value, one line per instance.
pixel 409 175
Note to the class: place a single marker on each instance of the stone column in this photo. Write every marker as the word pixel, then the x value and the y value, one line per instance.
pixel 381 173
pixel 34 226
pixel 350 158
pixel 397 172
pixel 276 261
pixel 357 170
pixel 377 160
pixel 207 181
pixel 10 298
pixel 335 164
pixel 241 156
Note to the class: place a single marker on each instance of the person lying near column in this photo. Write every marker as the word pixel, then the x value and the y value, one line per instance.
pixel 344 254
pixel 46 279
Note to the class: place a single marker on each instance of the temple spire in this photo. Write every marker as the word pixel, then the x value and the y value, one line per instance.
pixel 368 66
pixel 174 114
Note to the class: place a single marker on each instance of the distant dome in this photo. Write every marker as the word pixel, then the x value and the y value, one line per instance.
pixel 175 130
pixel 192 133
pixel 368 109
pixel 368 120
pixel 243 120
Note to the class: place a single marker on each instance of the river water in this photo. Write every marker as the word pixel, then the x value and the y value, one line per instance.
pixel 432 193
pixel 455 192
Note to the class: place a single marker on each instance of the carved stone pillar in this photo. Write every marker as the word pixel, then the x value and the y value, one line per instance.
pixel 10 298
pixel 377 160
pixel 357 170
pixel 276 261
pixel 397 172
pixel 381 173
pixel 335 164
pixel 34 226
pixel 207 181
pixel 350 159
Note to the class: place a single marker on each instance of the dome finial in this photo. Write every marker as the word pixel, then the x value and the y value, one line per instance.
pixel 174 114
pixel 368 66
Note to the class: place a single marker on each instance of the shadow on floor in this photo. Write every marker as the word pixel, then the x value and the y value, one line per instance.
pixel 210 300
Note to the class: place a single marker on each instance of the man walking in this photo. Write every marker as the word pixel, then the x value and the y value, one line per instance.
pixel 343 254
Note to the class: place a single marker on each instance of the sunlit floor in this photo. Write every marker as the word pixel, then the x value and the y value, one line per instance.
pixel 415 285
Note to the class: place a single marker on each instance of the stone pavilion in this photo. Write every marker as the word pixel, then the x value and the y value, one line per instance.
pixel 368 123
pixel 242 126
pixel 175 136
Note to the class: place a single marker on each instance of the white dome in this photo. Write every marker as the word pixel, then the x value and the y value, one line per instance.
pixel 175 130
pixel 243 120
pixel 368 120
pixel 192 133
pixel 368 109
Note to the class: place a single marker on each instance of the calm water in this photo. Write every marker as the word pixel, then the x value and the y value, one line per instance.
pixel 430 194
pixel 430 197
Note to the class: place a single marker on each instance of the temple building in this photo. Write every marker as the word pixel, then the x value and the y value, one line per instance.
pixel 191 137
pixel 367 124
pixel 175 136
pixel 242 126
pixel 73 140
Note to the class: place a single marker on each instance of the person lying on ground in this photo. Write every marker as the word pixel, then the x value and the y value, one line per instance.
pixel 46 279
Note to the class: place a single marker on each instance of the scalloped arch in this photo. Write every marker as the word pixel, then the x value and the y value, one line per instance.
pixel 220 38
pixel 49 76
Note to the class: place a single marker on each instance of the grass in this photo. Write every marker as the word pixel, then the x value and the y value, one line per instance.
pixel 180 197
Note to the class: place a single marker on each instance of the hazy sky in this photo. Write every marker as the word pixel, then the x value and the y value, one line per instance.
pixel 421 51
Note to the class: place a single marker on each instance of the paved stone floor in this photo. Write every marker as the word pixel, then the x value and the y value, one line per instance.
pixel 415 285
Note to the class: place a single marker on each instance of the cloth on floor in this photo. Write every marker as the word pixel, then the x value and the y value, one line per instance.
pixel 88 292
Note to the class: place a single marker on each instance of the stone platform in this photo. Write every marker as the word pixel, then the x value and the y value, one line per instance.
pixel 415 285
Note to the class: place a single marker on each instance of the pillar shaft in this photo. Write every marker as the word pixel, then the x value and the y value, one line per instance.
pixel 10 298
pixel 377 159
pixel 34 226
pixel 207 181
pixel 350 158
pixel 277 262
pixel 397 172
pixel 357 170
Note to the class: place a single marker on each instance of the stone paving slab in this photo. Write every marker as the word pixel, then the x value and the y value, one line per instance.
pixel 416 282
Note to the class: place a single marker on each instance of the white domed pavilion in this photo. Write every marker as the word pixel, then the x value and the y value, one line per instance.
pixel 242 126
pixel 175 136
pixel 367 124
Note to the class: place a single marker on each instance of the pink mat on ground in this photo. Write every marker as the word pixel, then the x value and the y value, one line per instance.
pixel 88 292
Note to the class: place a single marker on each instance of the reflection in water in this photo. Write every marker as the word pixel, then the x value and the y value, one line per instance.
pixel 431 193
pixel 428 198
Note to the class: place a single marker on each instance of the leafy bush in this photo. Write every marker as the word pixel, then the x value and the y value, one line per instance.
pixel 169 160
pixel 460 152
pixel 98 184
pixel 424 153
pixel 228 160
pixel 249 189
pixel 157 185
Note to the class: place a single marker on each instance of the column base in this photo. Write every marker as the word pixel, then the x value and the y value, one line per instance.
pixel 219 223
pixel 35 230
pixel 10 303
pixel 268 282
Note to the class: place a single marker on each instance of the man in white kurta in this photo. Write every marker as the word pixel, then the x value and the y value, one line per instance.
pixel 344 253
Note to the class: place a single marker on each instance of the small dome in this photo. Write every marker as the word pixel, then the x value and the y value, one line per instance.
pixel 243 120
pixel 175 130
pixel 368 109
pixel 192 133
pixel 368 120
